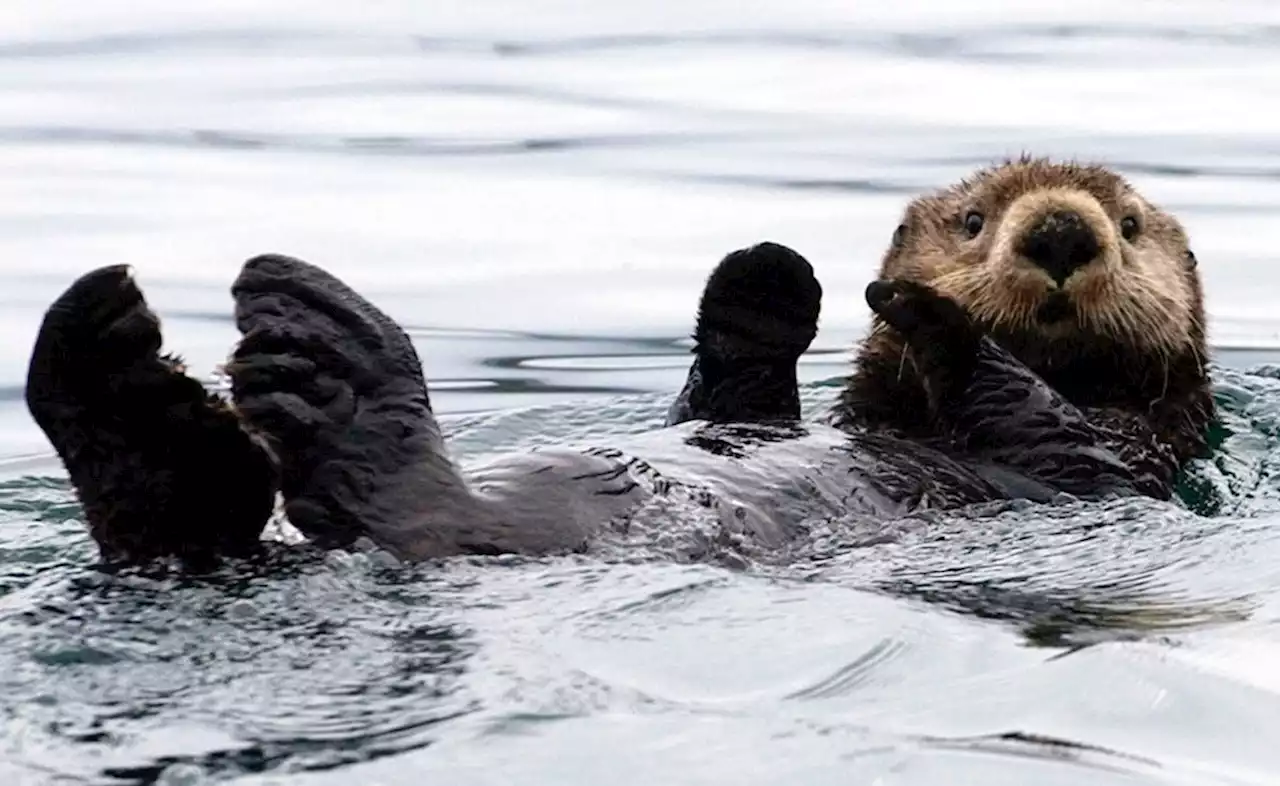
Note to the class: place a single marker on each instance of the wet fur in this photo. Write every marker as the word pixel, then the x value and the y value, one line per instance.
pixel 1131 353
pixel 335 389
pixel 162 468
pixel 757 315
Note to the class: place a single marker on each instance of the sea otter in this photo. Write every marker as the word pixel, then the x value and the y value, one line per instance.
pixel 947 405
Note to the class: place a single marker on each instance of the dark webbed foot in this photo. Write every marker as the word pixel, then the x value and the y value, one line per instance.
pixel 162 468
pixel 757 316
pixel 991 404
pixel 338 388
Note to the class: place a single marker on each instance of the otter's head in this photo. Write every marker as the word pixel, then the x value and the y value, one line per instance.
pixel 1073 271
pixel 1059 254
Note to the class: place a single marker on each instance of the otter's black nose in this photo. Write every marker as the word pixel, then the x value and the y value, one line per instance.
pixel 1061 243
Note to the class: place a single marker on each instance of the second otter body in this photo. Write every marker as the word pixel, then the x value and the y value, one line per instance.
pixel 947 407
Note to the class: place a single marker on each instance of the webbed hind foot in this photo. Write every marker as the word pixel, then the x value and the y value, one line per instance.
pixel 757 315
pixel 338 388
pixel 162 468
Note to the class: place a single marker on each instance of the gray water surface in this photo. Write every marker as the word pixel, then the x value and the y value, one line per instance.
pixel 537 191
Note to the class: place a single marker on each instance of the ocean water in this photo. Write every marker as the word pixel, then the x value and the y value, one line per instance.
pixel 537 190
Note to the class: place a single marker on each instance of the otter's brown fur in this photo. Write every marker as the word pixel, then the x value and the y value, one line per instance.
pixel 1122 336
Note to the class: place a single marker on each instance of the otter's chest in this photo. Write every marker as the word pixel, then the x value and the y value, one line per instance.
pixel 769 482
pixel 694 487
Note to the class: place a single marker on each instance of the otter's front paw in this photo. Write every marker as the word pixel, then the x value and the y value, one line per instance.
pixel 760 302
pixel 757 316
pixel 917 311
pixel 943 343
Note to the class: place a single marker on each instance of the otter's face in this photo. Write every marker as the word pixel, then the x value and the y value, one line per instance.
pixel 1055 252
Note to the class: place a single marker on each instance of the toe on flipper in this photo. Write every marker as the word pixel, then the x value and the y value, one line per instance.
pixel 337 386
pixel 161 468
pixel 295 303
pixel 760 300
pixel 98 326
pixel 274 276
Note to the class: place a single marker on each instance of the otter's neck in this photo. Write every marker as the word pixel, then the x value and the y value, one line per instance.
pixel 885 393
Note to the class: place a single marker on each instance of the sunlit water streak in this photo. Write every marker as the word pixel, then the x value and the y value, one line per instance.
pixel 537 192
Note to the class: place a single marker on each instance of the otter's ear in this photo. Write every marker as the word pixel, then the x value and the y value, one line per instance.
pixel 1191 260
pixel 909 226
pixel 898 241
pixel 899 236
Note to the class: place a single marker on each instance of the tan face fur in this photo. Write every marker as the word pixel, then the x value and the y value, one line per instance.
pixel 1031 267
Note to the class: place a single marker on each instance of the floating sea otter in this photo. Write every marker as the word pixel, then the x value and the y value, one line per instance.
pixel 1038 330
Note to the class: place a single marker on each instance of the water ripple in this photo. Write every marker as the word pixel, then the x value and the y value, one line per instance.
pixel 975 41
pixel 618 154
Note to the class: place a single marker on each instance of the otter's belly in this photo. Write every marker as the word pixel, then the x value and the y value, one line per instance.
pixel 759 482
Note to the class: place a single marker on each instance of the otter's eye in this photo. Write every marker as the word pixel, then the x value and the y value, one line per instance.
pixel 973 223
pixel 1129 228
pixel 1191 260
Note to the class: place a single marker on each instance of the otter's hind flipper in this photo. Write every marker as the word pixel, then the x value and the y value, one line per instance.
pixel 338 387
pixel 162 468
pixel 757 316
pixel 992 405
